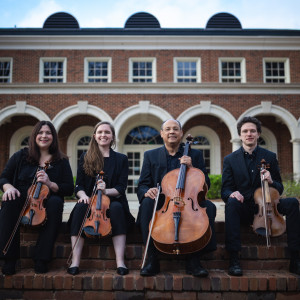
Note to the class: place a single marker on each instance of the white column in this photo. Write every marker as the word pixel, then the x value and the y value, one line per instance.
pixel 236 144
pixel 296 159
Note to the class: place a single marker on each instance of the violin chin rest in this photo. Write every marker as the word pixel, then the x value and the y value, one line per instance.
pixel 89 231
pixel 25 220
pixel 261 231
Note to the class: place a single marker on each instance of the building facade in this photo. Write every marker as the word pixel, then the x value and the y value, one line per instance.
pixel 140 75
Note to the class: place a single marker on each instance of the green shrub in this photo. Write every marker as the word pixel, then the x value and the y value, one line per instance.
pixel 291 189
pixel 215 187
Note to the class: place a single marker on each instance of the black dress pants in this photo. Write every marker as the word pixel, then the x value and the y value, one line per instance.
pixel 9 214
pixel 237 213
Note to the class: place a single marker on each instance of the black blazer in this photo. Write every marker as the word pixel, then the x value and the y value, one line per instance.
pixel 235 176
pixel 116 176
pixel 155 168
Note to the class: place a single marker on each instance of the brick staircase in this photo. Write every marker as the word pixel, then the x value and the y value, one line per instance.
pixel 266 273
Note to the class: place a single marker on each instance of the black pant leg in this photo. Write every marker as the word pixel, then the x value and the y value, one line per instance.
pixel 49 231
pixel 117 218
pixel 290 208
pixel 9 215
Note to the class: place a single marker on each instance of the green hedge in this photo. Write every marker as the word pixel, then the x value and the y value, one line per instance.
pixel 215 187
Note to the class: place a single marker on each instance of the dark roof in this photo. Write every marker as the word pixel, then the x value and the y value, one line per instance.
pixel 223 20
pixel 142 23
pixel 142 20
pixel 61 20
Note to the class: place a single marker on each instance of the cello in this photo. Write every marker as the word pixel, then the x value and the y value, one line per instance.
pixel 268 221
pixel 181 226
pixel 33 212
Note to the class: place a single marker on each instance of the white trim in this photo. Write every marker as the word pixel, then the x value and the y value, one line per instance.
pixel 214 145
pixel 286 62
pixel 241 60
pixel 146 88
pixel 53 59
pixel 269 138
pixel 82 107
pixel 142 42
pixel 72 141
pixel 17 138
pixel 187 59
pixel 97 59
pixel 10 60
pixel 142 59
pixel 22 108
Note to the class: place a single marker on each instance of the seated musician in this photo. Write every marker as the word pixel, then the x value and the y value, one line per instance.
pixel 101 157
pixel 16 178
pixel 240 178
pixel 157 163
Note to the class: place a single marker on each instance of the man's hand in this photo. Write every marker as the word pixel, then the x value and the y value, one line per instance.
pixel 238 196
pixel 151 193
pixel 187 160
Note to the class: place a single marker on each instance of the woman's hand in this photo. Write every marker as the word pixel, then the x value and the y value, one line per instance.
pixel 101 185
pixel 10 192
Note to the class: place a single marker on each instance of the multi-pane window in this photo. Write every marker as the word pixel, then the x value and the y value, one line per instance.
pixel 97 70
pixel 187 70
pixel 142 70
pixel 203 143
pixel 232 70
pixel 53 70
pixel 276 71
pixel 5 70
pixel 82 146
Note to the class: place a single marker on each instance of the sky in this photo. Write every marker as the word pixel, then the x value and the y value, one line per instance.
pixel 279 14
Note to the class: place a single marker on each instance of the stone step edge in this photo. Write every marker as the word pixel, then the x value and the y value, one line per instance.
pixel 218 280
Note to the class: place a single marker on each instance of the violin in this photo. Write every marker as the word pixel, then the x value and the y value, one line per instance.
pixel 33 212
pixel 181 226
pixel 268 221
pixel 98 224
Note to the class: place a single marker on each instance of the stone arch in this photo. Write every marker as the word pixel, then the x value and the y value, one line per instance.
pixel 205 107
pixel 82 107
pixel 143 108
pixel 17 138
pixel 22 108
pixel 267 108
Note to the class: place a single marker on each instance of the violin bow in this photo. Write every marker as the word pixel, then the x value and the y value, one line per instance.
pixel 151 226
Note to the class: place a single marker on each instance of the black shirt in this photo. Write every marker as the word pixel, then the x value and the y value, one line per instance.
pixel 250 161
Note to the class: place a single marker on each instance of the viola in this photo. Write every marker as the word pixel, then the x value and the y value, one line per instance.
pixel 181 226
pixel 98 224
pixel 35 213
pixel 268 221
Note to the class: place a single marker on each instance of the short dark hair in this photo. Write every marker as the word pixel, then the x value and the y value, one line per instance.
pixel 162 125
pixel 249 119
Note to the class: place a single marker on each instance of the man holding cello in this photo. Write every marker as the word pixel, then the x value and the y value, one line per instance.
pixel 240 179
pixel 157 163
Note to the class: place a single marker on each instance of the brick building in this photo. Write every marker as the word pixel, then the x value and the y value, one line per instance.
pixel 142 74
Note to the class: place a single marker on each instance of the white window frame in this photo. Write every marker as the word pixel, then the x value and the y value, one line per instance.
pixel 142 59
pixel 10 60
pixel 286 62
pixel 53 59
pixel 241 60
pixel 97 59
pixel 188 59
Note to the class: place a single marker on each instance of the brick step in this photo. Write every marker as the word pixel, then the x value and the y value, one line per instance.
pixel 96 284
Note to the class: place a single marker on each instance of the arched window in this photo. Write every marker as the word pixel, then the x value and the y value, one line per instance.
pixel 137 141
pixel 24 142
pixel 143 135
pixel 262 143
pixel 82 146
pixel 203 144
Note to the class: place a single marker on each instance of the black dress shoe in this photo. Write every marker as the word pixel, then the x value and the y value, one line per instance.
pixel 73 270
pixel 235 268
pixel 40 267
pixel 9 267
pixel 151 268
pixel 197 270
pixel 294 266
pixel 122 271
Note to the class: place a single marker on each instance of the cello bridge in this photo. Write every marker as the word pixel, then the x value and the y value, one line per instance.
pixel 178 201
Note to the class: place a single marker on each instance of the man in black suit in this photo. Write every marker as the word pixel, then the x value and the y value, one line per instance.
pixel 157 163
pixel 240 178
